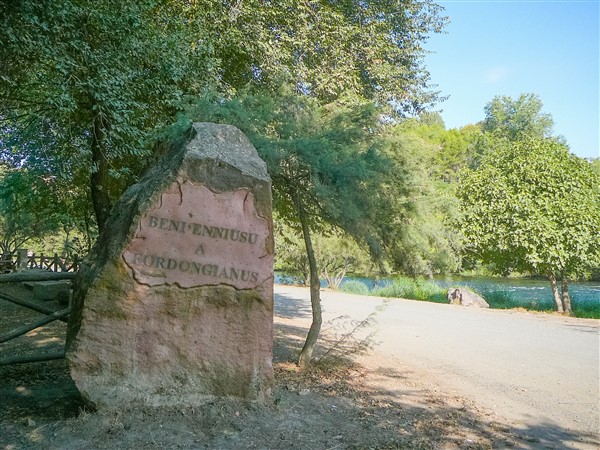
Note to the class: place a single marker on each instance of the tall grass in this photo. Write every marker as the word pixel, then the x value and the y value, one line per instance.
pixel 506 300
pixel 354 287
pixel 412 289
pixel 587 310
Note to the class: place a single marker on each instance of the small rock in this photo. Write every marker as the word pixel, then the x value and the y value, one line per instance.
pixel 304 392
pixel 465 297
pixel 31 422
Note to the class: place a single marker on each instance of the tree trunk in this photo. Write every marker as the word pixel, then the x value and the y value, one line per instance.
pixel 315 292
pixel 566 298
pixel 99 177
pixel 557 300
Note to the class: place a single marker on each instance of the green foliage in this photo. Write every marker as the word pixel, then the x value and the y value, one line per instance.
pixel 532 207
pixel 458 149
pixel 515 119
pixel 371 49
pixel 588 310
pixel 25 199
pixel 35 206
pixel 499 299
pixel 418 240
pixel 354 287
pixel 414 289
pixel 84 84
pixel 324 160
pixel 336 254
pixel 505 300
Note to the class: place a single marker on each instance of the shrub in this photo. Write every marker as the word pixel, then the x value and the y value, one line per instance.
pixel 412 289
pixel 354 287
pixel 506 300
pixel 500 299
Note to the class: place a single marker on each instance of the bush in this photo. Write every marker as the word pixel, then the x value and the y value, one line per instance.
pixel 412 289
pixel 500 300
pixel 354 287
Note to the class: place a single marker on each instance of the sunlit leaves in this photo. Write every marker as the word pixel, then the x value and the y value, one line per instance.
pixel 514 119
pixel 531 206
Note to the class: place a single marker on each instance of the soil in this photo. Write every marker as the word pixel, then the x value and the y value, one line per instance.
pixel 338 404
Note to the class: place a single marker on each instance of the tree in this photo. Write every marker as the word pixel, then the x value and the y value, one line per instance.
pixel 367 49
pixel 26 200
pixel 418 240
pixel 326 168
pixel 336 253
pixel 514 119
pixel 86 82
pixel 89 81
pixel 531 206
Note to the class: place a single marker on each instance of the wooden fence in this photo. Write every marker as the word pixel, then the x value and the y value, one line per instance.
pixel 16 269
pixel 23 260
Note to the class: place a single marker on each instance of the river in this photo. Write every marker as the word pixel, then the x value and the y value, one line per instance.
pixel 523 289
pixel 520 289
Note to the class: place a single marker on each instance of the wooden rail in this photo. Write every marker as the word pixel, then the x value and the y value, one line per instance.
pixel 28 275
pixel 20 331
pixel 9 360
pixel 50 315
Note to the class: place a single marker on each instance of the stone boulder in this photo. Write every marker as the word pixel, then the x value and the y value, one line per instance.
pixel 465 297
pixel 174 304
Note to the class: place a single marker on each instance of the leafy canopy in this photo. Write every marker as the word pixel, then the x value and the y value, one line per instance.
pixel 85 83
pixel 514 119
pixel 532 206
pixel 324 158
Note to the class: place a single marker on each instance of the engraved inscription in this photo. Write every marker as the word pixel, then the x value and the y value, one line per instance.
pixel 197 237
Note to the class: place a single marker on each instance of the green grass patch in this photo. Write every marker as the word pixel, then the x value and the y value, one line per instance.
pixel 412 289
pixel 500 299
pixel 585 310
pixel 506 300
pixel 354 287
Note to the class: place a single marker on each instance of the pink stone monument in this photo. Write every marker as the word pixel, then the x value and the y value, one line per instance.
pixel 174 305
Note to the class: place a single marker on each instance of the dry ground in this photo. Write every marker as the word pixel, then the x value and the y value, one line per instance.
pixel 338 405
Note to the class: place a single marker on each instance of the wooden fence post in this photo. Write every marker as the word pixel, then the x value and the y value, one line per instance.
pixel 22 259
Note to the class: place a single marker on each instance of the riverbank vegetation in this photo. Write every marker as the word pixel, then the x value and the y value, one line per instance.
pixel 424 290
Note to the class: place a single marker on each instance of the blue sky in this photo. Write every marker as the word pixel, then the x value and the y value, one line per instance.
pixel 550 48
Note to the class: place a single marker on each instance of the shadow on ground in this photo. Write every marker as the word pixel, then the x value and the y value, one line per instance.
pixel 290 307
pixel 337 405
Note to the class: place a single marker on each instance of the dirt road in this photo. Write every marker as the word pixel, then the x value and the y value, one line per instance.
pixel 539 372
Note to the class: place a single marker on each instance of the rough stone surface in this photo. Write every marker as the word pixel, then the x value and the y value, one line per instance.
pixel 174 305
pixel 465 297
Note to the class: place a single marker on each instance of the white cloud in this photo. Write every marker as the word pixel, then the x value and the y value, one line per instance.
pixel 495 75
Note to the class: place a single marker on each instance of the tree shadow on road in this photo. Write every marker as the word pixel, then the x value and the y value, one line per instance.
pixel 395 411
pixel 291 307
